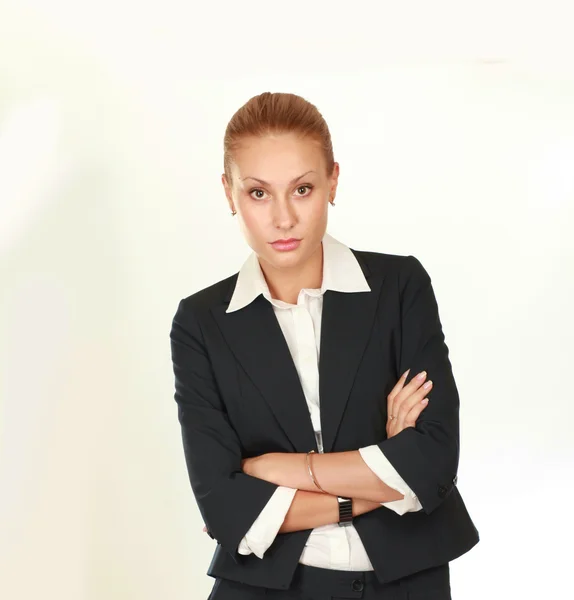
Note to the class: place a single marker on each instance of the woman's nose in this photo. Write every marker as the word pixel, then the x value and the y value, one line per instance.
pixel 284 216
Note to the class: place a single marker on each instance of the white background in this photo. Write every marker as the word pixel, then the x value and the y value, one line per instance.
pixel 454 127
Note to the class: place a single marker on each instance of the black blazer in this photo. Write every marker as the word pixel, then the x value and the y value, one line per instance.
pixel 238 395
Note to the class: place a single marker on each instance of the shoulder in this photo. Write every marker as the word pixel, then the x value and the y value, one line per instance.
pixel 404 268
pixel 204 299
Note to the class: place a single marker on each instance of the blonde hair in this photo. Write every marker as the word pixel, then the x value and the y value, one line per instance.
pixel 276 113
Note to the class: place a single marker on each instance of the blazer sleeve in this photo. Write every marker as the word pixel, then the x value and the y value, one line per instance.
pixel 427 455
pixel 228 499
pixel 384 470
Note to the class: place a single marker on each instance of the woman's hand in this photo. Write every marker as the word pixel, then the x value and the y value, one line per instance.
pixel 405 403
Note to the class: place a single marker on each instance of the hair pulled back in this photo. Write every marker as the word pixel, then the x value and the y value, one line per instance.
pixel 276 113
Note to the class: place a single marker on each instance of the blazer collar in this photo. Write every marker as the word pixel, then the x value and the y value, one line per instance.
pixel 255 338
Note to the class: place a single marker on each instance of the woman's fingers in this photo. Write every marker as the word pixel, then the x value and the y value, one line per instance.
pixel 394 392
pixel 412 407
pixel 417 408
pixel 399 385
pixel 415 398
pixel 404 402
pixel 394 406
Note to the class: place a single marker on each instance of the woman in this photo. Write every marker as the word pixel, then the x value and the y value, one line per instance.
pixel 320 460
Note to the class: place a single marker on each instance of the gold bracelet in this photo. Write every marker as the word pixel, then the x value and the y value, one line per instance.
pixel 307 460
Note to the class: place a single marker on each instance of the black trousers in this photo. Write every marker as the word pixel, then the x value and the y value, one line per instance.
pixel 312 583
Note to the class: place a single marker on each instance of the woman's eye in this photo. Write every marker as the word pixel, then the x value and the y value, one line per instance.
pixel 260 193
pixel 304 188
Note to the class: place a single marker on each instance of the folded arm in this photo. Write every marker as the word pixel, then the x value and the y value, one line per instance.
pixel 415 469
pixel 260 509
pixel 358 474
pixel 229 499
pixel 423 458
pixel 426 455
pixel 295 510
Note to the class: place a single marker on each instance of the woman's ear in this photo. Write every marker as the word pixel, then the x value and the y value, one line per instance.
pixel 334 181
pixel 228 193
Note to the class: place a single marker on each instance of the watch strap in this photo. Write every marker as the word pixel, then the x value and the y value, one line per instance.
pixel 345 511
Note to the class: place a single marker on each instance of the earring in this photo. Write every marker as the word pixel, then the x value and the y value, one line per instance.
pixel 331 202
pixel 233 213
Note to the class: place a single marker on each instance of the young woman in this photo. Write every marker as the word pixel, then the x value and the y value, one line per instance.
pixel 318 409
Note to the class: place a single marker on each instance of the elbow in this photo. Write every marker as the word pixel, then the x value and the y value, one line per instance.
pixel 229 507
pixel 440 491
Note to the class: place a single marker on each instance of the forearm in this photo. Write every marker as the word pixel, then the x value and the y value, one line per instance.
pixel 338 473
pixel 310 509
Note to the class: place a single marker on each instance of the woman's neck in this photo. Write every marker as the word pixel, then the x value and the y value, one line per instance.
pixel 285 284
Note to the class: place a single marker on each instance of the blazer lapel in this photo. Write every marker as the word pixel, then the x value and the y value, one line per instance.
pixel 347 323
pixel 255 338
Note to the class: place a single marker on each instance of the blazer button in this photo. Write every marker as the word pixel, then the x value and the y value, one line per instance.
pixel 442 491
pixel 357 585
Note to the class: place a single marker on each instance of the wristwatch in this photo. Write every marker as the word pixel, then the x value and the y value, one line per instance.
pixel 345 511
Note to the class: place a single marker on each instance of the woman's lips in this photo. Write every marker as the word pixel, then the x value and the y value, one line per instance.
pixel 286 245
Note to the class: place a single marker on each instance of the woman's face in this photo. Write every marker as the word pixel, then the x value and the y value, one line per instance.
pixel 280 190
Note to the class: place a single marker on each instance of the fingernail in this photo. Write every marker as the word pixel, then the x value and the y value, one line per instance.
pixel 421 375
pixel 427 385
pixel 406 373
pixel 425 401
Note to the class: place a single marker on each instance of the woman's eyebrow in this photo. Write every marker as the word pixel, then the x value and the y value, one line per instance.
pixel 266 183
